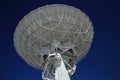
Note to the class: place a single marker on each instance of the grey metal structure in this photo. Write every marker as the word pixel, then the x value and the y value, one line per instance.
pixel 53 29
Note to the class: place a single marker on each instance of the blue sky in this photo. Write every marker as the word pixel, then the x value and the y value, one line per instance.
pixel 103 59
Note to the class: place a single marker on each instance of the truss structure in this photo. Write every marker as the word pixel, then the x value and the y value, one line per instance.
pixel 50 29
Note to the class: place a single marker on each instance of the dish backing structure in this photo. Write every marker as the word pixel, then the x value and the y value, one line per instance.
pixel 54 38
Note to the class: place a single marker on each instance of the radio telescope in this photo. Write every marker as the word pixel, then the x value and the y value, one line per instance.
pixel 54 38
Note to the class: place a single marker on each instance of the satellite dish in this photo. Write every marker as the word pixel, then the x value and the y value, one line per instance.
pixel 54 38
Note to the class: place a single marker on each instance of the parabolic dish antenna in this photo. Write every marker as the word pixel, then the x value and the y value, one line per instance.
pixel 54 38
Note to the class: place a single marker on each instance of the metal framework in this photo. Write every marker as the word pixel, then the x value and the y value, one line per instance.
pixel 50 29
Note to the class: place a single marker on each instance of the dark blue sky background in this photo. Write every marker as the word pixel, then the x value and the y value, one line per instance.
pixel 103 59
